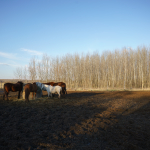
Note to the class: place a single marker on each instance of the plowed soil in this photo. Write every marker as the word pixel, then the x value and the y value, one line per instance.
pixel 118 120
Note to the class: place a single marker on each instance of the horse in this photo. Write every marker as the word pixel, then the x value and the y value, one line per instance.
pixel 30 88
pixel 52 89
pixel 12 87
pixel 39 84
pixel 43 87
pixel 62 84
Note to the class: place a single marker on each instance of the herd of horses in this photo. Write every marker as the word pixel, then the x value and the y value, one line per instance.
pixel 50 87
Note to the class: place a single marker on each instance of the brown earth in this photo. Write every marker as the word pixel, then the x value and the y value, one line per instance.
pixel 83 120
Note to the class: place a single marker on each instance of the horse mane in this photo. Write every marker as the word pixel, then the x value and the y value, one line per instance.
pixel 20 82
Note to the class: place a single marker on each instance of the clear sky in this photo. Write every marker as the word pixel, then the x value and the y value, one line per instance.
pixel 57 27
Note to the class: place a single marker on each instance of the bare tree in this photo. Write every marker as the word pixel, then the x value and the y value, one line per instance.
pixel 18 73
pixel 25 73
pixel 45 67
pixel 32 69
pixel 121 68
pixel 40 71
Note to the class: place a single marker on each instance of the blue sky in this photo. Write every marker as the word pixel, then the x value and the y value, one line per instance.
pixel 31 28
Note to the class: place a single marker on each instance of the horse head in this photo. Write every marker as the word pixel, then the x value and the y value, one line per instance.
pixel 39 84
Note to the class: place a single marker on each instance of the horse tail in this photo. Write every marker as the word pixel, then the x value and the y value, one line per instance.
pixel 27 93
pixel 65 91
pixel 21 86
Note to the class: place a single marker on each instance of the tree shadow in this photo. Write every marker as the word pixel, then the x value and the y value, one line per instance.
pixel 83 94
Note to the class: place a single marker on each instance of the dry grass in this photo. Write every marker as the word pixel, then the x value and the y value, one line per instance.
pixel 83 120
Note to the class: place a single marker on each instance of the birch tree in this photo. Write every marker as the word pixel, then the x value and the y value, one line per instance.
pixel 32 69
pixel 18 72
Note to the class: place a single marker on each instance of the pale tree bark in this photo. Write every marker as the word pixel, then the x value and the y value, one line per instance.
pixel 40 72
pixel 45 67
pixel 25 73
pixel 32 69
pixel 18 72
pixel 125 68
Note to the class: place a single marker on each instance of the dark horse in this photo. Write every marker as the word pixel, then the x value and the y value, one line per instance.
pixel 30 88
pixel 13 87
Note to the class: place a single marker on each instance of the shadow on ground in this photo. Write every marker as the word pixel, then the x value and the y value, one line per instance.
pixel 82 120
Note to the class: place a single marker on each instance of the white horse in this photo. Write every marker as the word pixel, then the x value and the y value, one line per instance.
pixel 41 86
pixel 52 89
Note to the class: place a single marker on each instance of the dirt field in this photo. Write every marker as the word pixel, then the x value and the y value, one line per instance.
pixel 83 121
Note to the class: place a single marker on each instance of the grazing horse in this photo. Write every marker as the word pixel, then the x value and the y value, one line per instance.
pixel 12 87
pixel 52 89
pixel 62 84
pixel 30 88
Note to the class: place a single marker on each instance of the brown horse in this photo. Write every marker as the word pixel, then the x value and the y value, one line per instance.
pixel 12 87
pixel 30 88
pixel 62 84
pixel 49 83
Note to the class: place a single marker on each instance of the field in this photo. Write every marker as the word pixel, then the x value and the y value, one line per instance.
pixel 118 120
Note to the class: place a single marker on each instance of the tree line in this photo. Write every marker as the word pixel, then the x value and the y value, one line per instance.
pixel 125 68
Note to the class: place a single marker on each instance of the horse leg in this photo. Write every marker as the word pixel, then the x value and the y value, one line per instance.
pixel 19 95
pixel 63 93
pixel 4 96
pixel 27 93
pixel 32 94
pixel 59 94
pixel 7 96
pixel 51 94
pixel 27 99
